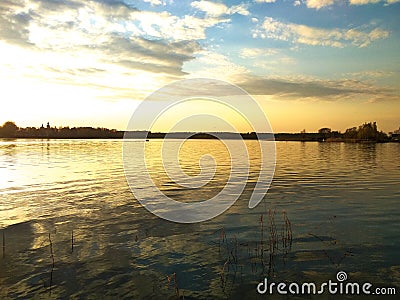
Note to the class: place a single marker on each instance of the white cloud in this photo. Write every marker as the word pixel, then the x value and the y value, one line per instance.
pixel 317 4
pixel 314 89
pixel 165 25
pixel 92 22
pixel 219 9
pixel 210 8
pixel 106 38
pixel 210 63
pixel 302 34
pixel 265 1
pixel 254 20
pixel 155 2
pixel 364 2
pixel 257 52
pixel 369 75
pixel 240 9
pixel 296 3
pixel 266 59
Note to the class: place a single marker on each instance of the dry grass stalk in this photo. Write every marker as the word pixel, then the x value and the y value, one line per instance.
pixel 172 281
pixel 286 232
pixel 52 259
pixel 72 241
pixel 4 244
pixel 273 235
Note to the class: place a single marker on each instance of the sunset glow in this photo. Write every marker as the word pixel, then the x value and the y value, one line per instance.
pixel 309 64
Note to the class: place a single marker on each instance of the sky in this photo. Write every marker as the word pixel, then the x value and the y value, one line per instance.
pixel 308 63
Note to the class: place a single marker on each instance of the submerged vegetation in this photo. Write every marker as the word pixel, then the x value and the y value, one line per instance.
pixel 256 256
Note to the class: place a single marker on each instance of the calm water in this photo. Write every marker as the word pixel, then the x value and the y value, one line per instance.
pixel 342 201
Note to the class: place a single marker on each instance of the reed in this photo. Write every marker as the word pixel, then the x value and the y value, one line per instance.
pixel 4 245
pixel 222 238
pixel 222 274
pixel 72 241
pixel 234 251
pixel 273 234
pixel 52 260
pixel 176 288
pixel 286 233
pixel 172 281
pixel 262 234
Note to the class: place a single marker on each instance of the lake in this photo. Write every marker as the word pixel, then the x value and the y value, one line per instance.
pixel 71 228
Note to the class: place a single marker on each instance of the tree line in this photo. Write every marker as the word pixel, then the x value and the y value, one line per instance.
pixel 366 132
pixel 11 130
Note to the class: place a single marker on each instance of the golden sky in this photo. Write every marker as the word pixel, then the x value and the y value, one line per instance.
pixel 309 64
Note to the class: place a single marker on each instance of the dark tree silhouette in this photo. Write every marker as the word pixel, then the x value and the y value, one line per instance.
pixel 9 129
pixel 325 132
pixel 366 132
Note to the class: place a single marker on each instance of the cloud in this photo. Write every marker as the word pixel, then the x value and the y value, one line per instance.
pixel 107 31
pixel 89 22
pixel 154 56
pixel 370 75
pixel 114 47
pixel 14 22
pixel 364 2
pixel 287 88
pixel 265 1
pixel 107 46
pixel 240 9
pixel 155 2
pixel 317 4
pixel 266 59
pixel 257 52
pixel 302 34
pixel 209 63
pixel 167 26
pixel 290 87
pixel 219 9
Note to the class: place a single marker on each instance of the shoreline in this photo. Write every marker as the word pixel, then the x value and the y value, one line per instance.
pixel 276 139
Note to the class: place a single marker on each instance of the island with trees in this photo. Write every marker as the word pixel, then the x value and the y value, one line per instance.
pixel 367 132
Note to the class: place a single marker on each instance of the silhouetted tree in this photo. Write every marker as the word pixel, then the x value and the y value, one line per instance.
pixel 351 133
pixel 9 129
pixel 366 132
pixel 325 133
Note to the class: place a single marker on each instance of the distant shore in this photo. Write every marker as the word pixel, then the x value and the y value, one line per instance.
pixel 288 137
pixel 366 133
